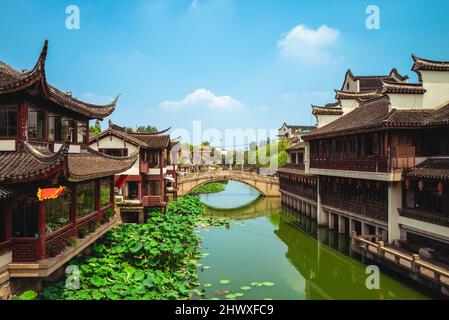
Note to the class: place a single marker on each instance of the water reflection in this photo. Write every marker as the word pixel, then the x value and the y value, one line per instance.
pixel 268 242
pixel 235 195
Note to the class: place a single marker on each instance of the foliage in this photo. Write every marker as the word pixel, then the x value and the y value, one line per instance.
pixel 146 129
pixel 72 241
pixel 96 128
pixel 82 232
pixel 213 187
pixel 27 295
pixel 155 260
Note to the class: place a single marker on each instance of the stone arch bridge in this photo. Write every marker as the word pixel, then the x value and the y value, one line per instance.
pixel 267 186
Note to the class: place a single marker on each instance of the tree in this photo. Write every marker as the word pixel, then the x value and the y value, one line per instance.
pixel 96 128
pixel 146 129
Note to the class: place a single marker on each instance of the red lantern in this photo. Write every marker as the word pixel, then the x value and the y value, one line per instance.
pixel 440 188
pixel 407 184
pixel 420 185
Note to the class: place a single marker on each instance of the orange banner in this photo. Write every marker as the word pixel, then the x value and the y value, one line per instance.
pixel 49 193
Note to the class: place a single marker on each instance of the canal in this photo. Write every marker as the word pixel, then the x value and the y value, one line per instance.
pixel 271 252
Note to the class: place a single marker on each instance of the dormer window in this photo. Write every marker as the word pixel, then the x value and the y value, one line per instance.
pixel 8 121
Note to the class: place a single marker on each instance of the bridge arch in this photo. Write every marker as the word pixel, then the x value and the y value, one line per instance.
pixel 266 186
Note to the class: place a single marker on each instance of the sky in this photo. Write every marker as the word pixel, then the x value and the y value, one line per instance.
pixel 227 63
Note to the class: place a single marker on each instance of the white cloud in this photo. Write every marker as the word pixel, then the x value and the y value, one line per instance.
pixel 204 98
pixel 309 45
pixel 96 99
pixel 194 4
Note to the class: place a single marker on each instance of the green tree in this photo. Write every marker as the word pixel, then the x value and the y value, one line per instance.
pixel 146 129
pixel 96 128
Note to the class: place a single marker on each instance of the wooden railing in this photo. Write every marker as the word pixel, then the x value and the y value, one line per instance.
pixel 5 246
pixel 86 221
pixel 25 249
pixel 301 193
pixel 58 240
pixel 152 201
pixel 402 157
pixel 358 207
pixel 424 216
pixel 412 262
pixel 368 165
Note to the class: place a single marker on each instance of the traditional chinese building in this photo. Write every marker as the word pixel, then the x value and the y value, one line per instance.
pixel 293 132
pixel 44 154
pixel 153 176
pixel 379 156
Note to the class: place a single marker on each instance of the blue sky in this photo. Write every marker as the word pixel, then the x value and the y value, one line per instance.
pixel 229 63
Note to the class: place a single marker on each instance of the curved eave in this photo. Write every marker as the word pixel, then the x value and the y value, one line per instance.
pixel 354 95
pixel 402 88
pixel 429 65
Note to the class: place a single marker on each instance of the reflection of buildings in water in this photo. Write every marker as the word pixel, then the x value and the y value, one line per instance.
pixel 257 208
pixel 329 274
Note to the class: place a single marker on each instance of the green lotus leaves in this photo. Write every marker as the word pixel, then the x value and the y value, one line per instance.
pixel 224 281
pixel 245 288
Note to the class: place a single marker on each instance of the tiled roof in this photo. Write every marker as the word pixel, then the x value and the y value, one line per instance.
pixel 92 164
pixel 339 94
pixel 433 168
pixel 407 88
pixel 29 163
pixel 154 140
pixel 295 147
pixel 369 83
pixel 299 127
pixel 328 109
pixel 5 193
pixel 429 65
pixel 12 80
pixel 374 114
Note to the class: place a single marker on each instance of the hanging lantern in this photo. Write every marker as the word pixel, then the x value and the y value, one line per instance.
pixel 420 185
pixel 407 184
pixel 440 188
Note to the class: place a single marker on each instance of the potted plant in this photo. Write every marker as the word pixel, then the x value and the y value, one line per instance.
pixel 82 232
pixel 53 250
pixel 72 241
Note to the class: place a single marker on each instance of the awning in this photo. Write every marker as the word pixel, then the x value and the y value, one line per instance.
pixel 49 193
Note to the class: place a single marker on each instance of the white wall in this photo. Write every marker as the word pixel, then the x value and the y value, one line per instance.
pixel 406 101
pixel 113 142
pixel 437 85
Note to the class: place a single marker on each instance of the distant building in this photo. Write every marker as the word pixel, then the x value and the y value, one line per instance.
pixel 293 132
pixel 153 176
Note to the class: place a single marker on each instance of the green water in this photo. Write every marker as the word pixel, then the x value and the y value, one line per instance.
pixel 269 243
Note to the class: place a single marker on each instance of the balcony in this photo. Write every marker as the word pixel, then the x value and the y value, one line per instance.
pixel 369 210
pixel 153 201
pixel 424 216
pixel 366 165
pixel 402 157
pixel 143 168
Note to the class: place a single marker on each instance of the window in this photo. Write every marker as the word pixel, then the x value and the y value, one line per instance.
pixel 36 124
pixel 25 217
pixel 55 128
pixel 293 158
pixel 105 191
pixel 58 211
pixel 82 132
pixel 8 121
pixel 153 158
pixel 85 198
pixel 119 152
pixel 68 129
pixel 132 190
pixel 154 190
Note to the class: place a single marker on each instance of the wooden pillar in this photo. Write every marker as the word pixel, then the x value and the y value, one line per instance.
pixel 97 200
pixel 112 199
pixel 74 210
pixel 139 190
pixel 8 220
pixel 41 230
pixel 161 170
